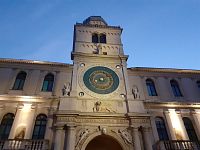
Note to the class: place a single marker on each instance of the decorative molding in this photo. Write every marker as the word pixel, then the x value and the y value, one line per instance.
pixel 92 120
pixel 23 61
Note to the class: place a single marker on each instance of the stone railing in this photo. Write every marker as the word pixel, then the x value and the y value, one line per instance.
pixel 24 144
pixel 177 145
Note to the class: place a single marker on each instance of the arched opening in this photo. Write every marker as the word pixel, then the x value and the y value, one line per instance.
pixel 103 142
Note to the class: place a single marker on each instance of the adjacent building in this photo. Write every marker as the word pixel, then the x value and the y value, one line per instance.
pixel 97 103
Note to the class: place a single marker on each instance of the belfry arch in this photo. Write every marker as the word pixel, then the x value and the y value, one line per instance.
pixel 103 142
pixel 99 141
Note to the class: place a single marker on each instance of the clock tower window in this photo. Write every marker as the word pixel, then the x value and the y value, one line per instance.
pixel 95 38
pixel 102 38
pixel 98 38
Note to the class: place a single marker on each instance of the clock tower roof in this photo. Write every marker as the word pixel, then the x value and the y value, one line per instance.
pixel 98 20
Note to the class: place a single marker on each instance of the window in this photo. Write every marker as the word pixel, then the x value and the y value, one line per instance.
pixel 102 38
pixel 190 129
pixel 19 81
pixel 98 38
pixel 175 88
pixel 40 127
pixel 198 84
pixel 6 125
pixel 151 87
pixel 95 38
pixel 161 129
pixel 48 83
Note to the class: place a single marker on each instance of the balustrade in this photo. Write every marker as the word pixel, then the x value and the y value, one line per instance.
pixel 177 145
pixel 24 144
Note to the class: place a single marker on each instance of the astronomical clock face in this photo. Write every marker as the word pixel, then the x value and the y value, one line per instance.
pixel 100 80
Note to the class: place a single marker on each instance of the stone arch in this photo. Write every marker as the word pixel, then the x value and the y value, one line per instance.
pixel 112 136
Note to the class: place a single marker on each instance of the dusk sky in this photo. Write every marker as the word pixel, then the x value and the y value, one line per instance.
pixel 156 33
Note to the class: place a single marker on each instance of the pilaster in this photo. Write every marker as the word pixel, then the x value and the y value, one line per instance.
pixel 71 137
pixel 136 138
pixel 59 139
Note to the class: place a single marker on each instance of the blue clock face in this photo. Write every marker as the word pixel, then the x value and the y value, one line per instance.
pixel 101 80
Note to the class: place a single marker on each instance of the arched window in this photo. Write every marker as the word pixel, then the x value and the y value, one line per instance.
pixel 40 127
pixel 6 125
pixel 198 84
pixel 151 87
pixel 95 38
pixel 19 81
pixel 48 83
pixel 175 88
pixel 102 38
pixel 161 128
pixel 190 129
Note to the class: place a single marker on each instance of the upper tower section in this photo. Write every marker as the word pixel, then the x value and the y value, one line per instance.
pixel 95 36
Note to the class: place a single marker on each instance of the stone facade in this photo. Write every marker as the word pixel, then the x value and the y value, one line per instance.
pixel 109 102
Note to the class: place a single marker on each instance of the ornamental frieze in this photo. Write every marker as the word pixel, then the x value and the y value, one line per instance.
pixel 95 120
pixel 140 121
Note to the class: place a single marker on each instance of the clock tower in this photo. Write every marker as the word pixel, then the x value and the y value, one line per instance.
pixel 100 103
pixel 99 69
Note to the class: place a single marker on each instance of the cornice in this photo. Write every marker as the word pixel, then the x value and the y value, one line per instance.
pixel 28 99
pixel 164 70
pixel 176 105
pixel 35 62
pixel 99 26
pixel 123 57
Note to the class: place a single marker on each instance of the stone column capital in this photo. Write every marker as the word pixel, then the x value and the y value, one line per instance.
pixel 146 129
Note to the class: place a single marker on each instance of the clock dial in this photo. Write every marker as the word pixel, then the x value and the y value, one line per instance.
pixel 101 80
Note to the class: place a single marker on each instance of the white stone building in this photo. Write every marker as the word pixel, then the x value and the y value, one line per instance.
pixel 97 103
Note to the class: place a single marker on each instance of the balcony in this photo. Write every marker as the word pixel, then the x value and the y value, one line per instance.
pixel 177 145
pixel 12 144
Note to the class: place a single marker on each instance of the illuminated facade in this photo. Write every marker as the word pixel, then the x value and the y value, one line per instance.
pixel 97 103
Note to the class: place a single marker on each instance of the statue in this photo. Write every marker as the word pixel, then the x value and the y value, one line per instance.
pixel 21 134
pixel 66 89
pixel 96 107
pixel 125 135
pixel 135 93
pixel 98 49
pixel 82 136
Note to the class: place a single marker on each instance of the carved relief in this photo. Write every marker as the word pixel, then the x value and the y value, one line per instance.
pixel 82 136
pixel 100 107
pixel 125 136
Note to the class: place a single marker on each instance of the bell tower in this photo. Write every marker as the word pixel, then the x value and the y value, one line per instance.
pixel 95 36
pixel 99 78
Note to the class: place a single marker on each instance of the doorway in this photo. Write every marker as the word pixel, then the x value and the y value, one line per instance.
pixel 103 142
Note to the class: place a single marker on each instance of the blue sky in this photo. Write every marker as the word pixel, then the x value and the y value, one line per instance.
pixel 156 33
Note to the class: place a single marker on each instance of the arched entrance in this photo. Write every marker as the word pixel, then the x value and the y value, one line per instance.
pixel 103 142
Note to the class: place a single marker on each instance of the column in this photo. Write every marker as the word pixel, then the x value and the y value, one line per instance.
pixel 71 137
pixel 196 116
pixel 74 80
pixel 169 125
pixel 184 132
pixel 136 138
pixel 40 81
pixel 154 129
pixel 24 119
pixel 147 140
pixel 12 77
pixel 56 83
pixel 59 139
pixel 2 108
pixel 49 131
